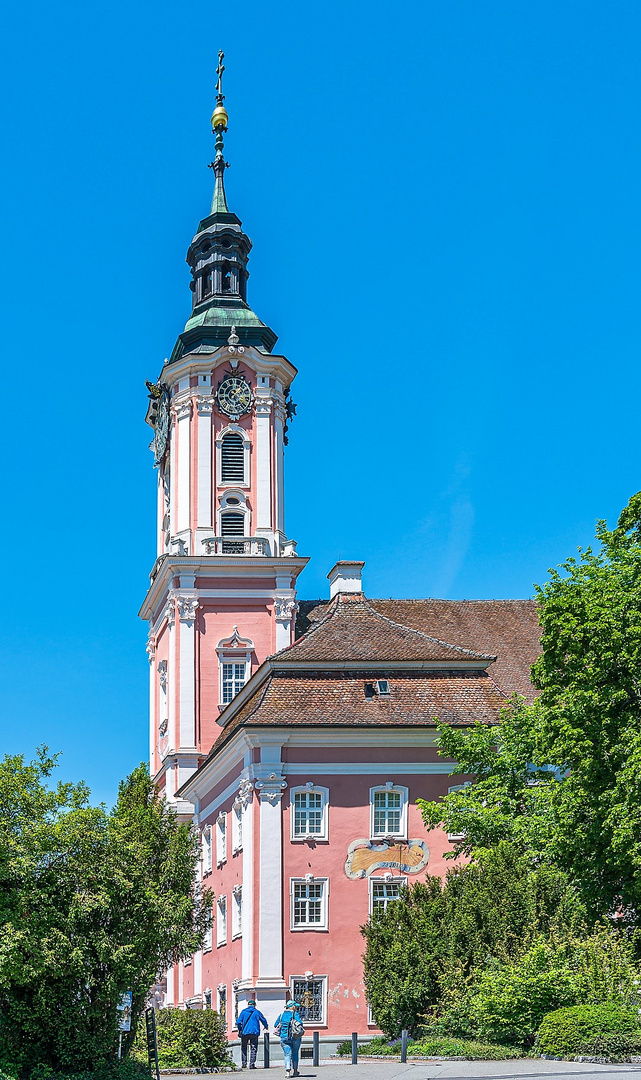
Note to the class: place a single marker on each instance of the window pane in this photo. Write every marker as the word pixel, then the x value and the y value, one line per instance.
pixel 309 995
pixel 308 813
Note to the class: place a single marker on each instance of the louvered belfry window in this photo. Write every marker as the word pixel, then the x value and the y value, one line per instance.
pixel 233 459
pixel 232 523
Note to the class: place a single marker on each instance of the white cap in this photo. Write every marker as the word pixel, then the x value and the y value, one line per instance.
pixel 345 577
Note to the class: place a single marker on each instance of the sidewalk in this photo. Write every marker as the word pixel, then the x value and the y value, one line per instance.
pixel 522 1069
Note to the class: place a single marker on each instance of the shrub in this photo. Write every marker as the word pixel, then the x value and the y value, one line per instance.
pixel 187 1038
pixel 432 1046
pixel 506 1002
pixel 592 1030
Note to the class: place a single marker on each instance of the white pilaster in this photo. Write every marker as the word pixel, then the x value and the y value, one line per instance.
pixel 183 419
pixel 246 798
pixel 263 466
pixel 205 408
pixel 279 471
pixel 173 739
pixel 198 973
pixel 153 724
pixel 187 607
pixel 270 789
pixel 284 612
pixel 170 986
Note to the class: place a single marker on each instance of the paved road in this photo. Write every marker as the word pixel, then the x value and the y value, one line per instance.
pixel 524 1069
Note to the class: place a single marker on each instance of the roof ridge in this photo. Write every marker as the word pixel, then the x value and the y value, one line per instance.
pixel 328 613
pixel 428 637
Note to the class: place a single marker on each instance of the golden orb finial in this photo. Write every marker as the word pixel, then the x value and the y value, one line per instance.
pixel 219 117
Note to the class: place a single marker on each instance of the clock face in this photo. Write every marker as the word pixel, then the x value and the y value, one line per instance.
pixel 234 396
pixel 161 426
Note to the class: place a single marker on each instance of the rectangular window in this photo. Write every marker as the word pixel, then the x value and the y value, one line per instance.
pixel 206 838
pixel 237 826
pixel 308 813
pixel 237 912
pixel 233 679
pixel 221 1002
pixel 206 999
pixel 221 921
pixel 311 996
pixel 221 839
pixel 309 904
pixel 207 943
pixel 382 892
pixel 388 806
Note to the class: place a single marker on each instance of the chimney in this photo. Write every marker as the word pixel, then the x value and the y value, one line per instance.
pixel 345 577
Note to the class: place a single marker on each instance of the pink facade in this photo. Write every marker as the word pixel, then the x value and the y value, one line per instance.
pixel 297 752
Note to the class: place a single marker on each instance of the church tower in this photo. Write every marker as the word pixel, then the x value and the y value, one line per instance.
pixel 222 596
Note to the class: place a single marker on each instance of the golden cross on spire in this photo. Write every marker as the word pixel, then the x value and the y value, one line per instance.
pixel 219 72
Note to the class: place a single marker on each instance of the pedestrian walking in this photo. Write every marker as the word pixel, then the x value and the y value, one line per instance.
pixel 248 1024
pixel 289 1027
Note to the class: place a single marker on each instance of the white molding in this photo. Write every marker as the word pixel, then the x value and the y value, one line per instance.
pixel 221 921
pixel 233 429
pixel 312 788
pixel 221 838
pixel 383 879
pixel 370 768
pixel 390 786
pixel 313 978
pixel 270 911
pixel 310 879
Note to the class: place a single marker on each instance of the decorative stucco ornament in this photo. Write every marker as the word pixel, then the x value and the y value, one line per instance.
pixel 406 857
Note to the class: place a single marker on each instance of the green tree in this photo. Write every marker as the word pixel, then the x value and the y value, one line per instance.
pixel 92 903
pixel 560 779
pixel 435 938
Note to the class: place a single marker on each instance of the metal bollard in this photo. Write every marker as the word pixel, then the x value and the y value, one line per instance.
pixel 403 1046
pixel 315 1050
pixel 266 1050
pixel 354 1048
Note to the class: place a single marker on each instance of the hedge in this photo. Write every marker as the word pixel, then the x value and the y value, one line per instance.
pixel 608 1030
pixel 433 1046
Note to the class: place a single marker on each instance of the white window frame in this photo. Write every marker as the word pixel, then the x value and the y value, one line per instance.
pixel 207 852
pixel 386 879
pixel 237 826
pixel 455 838
pixel 232 658
pixel 232 429
pixel 221 838
pixel 389 786
pixel 313 789
pixel 309 879
pixel 208 943
pixel 221 921
pixel 237 912
pixel 220 990
pixel 312 978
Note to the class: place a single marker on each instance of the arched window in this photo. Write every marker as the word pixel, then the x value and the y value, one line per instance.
pixel 226 277
pixel 233 458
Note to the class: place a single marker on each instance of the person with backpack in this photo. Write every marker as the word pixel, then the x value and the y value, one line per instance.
pixel 248 1025
pixel 289 1027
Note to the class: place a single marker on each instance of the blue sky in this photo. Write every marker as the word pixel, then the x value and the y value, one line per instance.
pixel 444 200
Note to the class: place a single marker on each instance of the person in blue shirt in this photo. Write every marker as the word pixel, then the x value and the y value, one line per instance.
pixel 248 1024
pixel 290 1045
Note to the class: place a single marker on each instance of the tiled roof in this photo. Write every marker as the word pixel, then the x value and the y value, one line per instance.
pixel 352 629
pixel 306 684
pixel 507 629
pixel 331 699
